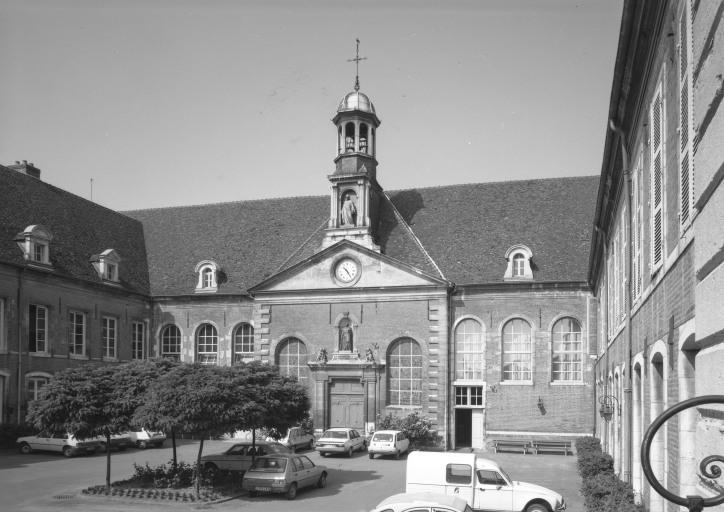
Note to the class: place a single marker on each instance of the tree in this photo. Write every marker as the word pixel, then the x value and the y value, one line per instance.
pixel 211 401
pixel 95 400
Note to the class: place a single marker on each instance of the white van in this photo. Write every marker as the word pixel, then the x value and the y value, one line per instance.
pixel 480 482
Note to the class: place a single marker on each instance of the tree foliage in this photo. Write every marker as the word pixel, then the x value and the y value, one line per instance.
pixel 418 429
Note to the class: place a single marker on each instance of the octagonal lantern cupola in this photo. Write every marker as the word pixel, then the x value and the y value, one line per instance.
pixel 355 192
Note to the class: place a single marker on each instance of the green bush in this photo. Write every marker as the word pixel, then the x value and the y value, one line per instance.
pixel 592 464
pixel 10 432
pixel 602 490
pixel 165 476
pixel 418 429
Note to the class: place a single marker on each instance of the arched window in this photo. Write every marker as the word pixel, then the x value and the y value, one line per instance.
pixel 243 343
pixel 207 344
pixel 349 138
pixel 363 138
pixel 469 350
pixel 404 381
pixel 208 273
pixel 292 359
pixel 171 342
pixel 517 350
pixel 567 357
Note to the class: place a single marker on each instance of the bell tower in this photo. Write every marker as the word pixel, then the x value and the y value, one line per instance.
pixel 355 193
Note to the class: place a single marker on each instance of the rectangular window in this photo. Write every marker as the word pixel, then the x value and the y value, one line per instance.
pixel 458 474
pixel 686 125
pixel 657 179
pixel 138 338
pixel 469 396
pixel 110 272
pixel 76 335
pixel 36 388
pixel 39 252
pixel 37 328
pixel 108 336
pixel 637 229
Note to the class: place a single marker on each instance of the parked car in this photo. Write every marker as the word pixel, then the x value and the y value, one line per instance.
pixel 388 442
pixel 144 438
pixel 239 456
pixel 60 442
pixel 340 440
pixel 423 502
pixel 480 482
pixel 118 441
pixel 297 439
pixel 283 474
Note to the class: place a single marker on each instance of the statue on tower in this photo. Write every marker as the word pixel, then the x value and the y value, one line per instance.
pixel 349 211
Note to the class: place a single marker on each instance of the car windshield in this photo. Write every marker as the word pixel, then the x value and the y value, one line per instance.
pixel 383 437
pixel 269 465
pixel 335 434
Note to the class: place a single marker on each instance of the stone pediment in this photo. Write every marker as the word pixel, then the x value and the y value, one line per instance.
pixel 347 265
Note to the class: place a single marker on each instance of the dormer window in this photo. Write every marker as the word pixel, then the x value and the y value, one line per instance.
pixel 106 265
pixel 207 276
pixel 519 268
pixel 34 242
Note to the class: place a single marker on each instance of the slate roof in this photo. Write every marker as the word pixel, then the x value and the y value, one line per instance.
pixel 467 229
pixel 80 229
pixel 462 230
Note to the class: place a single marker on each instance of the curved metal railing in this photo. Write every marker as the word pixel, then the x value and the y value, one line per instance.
pixel 707 466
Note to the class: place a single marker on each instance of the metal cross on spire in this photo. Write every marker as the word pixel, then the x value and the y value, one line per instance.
pixel 356 61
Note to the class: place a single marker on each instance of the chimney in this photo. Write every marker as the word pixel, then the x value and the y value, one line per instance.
pixel 27 168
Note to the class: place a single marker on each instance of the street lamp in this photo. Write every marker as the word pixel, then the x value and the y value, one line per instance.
pixel 606 410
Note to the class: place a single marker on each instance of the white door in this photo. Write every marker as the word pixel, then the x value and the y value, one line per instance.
pixel 478 426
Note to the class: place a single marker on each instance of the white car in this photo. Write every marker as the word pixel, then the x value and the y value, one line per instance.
pixel 60 442
pixel 388 442
pixel 340 440
pixel 423 502
pixel 296 439
pixel 144 438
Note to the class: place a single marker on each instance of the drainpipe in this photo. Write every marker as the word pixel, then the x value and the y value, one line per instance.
pixel 19 318
pixel 627 391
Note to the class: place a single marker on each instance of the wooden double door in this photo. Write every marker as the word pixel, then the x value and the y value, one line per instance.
pixel 346 404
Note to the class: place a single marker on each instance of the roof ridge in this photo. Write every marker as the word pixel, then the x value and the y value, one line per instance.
pixel 414 236
pixel 298 249
pixel 222 203
pixel 529 180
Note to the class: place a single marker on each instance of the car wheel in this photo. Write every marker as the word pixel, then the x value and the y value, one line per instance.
pixel 159 445
pixel 25 449
pixel 310 445
pixel 397 454
pixel 210 467
pixel 142 444
pixel 323 454
pixel 252 494
pixel 292 492
pixel 322 482
pixel 537 507
pixel 349 452
pixel 372 455
pixel 67 451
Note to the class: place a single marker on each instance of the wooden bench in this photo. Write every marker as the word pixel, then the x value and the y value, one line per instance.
pixel 552 446
pixel 511 445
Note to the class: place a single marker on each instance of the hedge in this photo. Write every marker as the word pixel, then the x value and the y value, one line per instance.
pixel 602 490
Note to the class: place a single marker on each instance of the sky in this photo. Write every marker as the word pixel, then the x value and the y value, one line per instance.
pixel 154 103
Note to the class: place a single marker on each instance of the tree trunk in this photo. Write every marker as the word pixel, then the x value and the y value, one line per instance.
pixel 198 466
pixel 108 463
pixel 253 445
pixel 173 444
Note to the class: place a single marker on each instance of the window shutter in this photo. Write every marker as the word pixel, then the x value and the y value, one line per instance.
pixel 686 185
pixel 657 221
pixel 622 265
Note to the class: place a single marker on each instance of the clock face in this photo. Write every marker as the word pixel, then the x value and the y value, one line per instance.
pixel 346 270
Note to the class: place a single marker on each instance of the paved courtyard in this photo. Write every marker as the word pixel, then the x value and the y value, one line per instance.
pixel 43 482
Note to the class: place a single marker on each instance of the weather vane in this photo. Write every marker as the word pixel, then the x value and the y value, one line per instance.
pixel 356 61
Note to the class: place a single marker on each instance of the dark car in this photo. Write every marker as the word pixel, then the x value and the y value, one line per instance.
pixel 239 456
pixel 283 474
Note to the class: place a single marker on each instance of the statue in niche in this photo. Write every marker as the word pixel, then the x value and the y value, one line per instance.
pixel 349 211
pixel 346 341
